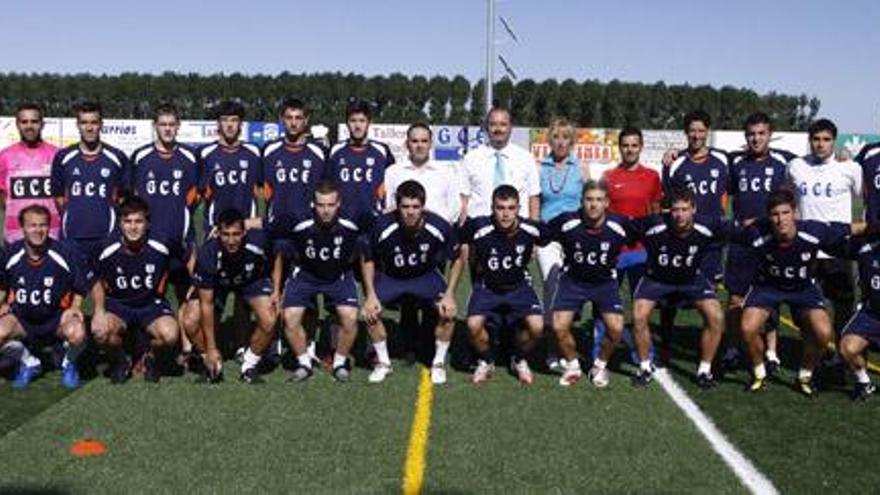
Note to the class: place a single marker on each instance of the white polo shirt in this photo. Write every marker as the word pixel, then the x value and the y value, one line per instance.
pixel 442 183
pixel 478 177
pixel 826 189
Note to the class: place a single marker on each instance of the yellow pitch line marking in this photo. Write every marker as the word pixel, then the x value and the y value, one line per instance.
pixel 414 466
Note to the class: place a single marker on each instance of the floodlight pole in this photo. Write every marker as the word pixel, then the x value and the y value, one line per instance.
pixel 490 52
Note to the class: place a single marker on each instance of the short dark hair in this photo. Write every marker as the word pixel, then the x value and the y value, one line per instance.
pixel 682 194
pixel 412 190
pixel 504 192
pixel 498 108
pixel 594 185
pixel 88 107
pixel 134 204
pixel 166 109
pixel 229 107
pixel 757 118
pixel 33 208
pixel 781 196
pixel 29 105
pixel 326 186
pixel 359 106
pixel 822 125
pixel 630 131
pixel 230 217
pixel 293 104
pixel 420 125
pixel 696 116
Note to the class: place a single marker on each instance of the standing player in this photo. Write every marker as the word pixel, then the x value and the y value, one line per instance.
pixel 591 241
pixel 25 170
pixel 45 284
pixel 324 249
pixel 231 170
pixel 88 179
pixel 358 165
pixel 501 247
pixel 676 245
pixel 827 190
pixel 788 250
pixel 869 159
pixel 702 170
pixel 239 261
pixel 633 190
pixel 165 174
pixel 132 271
pixel 410 246
pixel 754 174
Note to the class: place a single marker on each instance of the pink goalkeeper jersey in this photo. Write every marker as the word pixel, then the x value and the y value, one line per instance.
pixel 24 180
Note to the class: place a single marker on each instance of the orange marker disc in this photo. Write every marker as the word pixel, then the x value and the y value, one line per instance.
pixel 88 448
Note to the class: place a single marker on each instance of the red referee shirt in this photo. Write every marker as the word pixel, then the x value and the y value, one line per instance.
pixel 631 192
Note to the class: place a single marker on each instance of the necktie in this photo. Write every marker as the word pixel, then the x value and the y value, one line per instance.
pixel 500 176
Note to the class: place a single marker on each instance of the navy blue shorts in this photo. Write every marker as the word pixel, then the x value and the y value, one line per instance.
pixel 571 295
pixel 257 288
pixel 139 316
pixel 426 289
pixel 710 265
pixel 38 329
pixel 770 298
pixel 513 305
pixel 302 288
pixel 742 265
pixel 689 293
pixel 866 324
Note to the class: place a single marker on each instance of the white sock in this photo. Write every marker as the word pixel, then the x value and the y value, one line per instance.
pixel 573 365
pixel 381 349
pixel 771 356
pixel 305 360
pixel 70 354
pixel 27 358
pixel 250 360
pixel 599 364
pixel 705 367
pixel 440 353
pixel 760 372
pixel 862 376
pixel 804 375
pixel 338 360
pixel 645 365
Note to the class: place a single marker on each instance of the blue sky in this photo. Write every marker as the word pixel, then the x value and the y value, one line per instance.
pixel 825 49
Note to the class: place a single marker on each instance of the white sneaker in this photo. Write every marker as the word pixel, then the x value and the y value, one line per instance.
pixel 438 374
pixel 523 372
pixel 380 372
pixel 571 373
pixel 556 365
pixel 483 372
pixel 599 377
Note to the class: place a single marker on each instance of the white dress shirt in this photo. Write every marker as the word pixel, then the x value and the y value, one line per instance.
pixel 478 177
pixel 442 183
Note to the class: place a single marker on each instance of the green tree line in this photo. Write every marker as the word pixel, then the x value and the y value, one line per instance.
pixel 398 98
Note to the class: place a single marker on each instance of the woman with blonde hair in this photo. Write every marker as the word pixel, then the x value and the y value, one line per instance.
pixel 562 179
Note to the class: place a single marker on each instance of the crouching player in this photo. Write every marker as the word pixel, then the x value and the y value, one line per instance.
pixel 787 248
pixel 323 250
pixel 410 246
pixel 131 273
pixel 237 261
pixel 45 283
pixel 863 329
pixel 591 240
pixel 501 247
pixel 675 245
